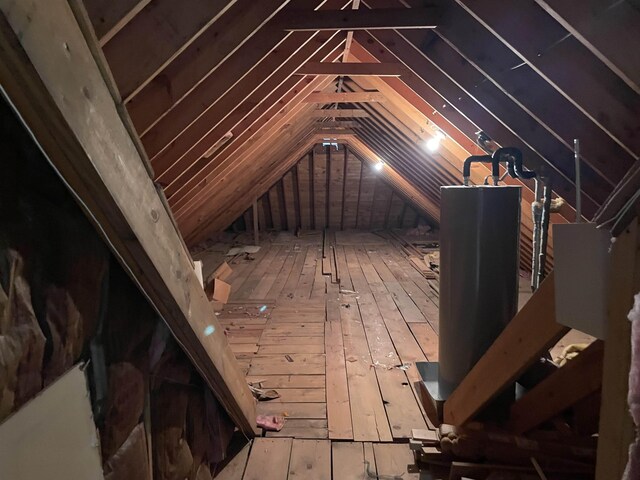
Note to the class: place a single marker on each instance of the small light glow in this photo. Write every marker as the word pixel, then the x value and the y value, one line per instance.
pixel 433 143
pixel 209 330
pixel 378 166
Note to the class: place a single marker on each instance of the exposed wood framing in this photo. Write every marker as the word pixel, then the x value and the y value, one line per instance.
pixel 307 20
pixel 49 73
pixel 345 97
pixel 531 332
pixel 353 69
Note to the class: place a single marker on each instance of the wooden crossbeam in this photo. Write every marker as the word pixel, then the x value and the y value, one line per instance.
pixel 338 124
pixel 531 332
pixel 385 18
pixel 352 69
pixel 64 101
pixel 328 132
pixel 345 97
pixel 342 113
pixel 569 384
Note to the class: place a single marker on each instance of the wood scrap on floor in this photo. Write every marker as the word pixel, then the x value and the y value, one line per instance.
pixel 478 450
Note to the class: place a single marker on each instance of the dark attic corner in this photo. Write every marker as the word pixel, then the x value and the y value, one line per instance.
pixel 304 239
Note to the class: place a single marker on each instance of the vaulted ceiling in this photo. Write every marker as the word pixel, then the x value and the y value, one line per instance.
pixel 224 96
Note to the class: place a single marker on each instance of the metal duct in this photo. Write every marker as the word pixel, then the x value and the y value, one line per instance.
pixel 479 259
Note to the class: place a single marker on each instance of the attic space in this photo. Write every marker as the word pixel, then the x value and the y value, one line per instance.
pixel 319 239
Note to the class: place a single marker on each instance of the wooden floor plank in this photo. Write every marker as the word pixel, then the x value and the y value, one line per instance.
pixel 268 279
pixel 283 275
pixel 302 428
pixel 393 461
pixel 288 381
pixel 290 340
pixel 260 270
pixel 295 358
pixel 288 291
pixel 319 280
pixel 293 410
pixel 234 470
pixel 307 276
pixel 310 460
pixel 401 405
pixel 301 395
pixel 427 339
pixel 338 409
pixel 269 459
pixel 269 349
pixel 368 415
pixel 287 369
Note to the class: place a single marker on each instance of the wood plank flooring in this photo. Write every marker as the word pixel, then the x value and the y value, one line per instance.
pixel 333 352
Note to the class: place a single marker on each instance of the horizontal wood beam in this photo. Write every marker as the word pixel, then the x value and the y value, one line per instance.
pixel 328 132
pixel 352 69
pixel 568 385
pixel 338 124
pixel 339 113
pixel 64 101
pixel 385 18
pixel 531 332
pixel 345 97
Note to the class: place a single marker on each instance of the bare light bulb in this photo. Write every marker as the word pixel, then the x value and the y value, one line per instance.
pixel 434 142
pixel 378 166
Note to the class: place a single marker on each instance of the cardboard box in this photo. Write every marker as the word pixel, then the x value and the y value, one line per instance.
pixel 219 291
pixel 223 271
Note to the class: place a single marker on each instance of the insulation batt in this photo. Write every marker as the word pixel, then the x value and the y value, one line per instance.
pixel 632 471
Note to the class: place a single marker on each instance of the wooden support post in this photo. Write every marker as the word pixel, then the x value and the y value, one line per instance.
pixel 52 79
pixel 256 235
pixel 616 430
pixel 531 332
pixel 571 383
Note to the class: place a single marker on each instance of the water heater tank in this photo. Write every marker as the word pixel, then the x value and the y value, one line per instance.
pixel 479 260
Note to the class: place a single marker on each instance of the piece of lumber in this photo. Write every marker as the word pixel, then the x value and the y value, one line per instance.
pixel 571 383
pixel 63 99
pixel 352 69
pixel 531 332
pixel 339 113
pixel 616 430
pixel 344 97
pixel 338 412
pixel 365 19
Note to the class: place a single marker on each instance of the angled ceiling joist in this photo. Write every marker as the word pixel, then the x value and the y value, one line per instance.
pixel 308 20
pixel 110 17
pixel 136 55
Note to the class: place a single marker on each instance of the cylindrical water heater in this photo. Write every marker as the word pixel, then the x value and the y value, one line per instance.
pixel 479 260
